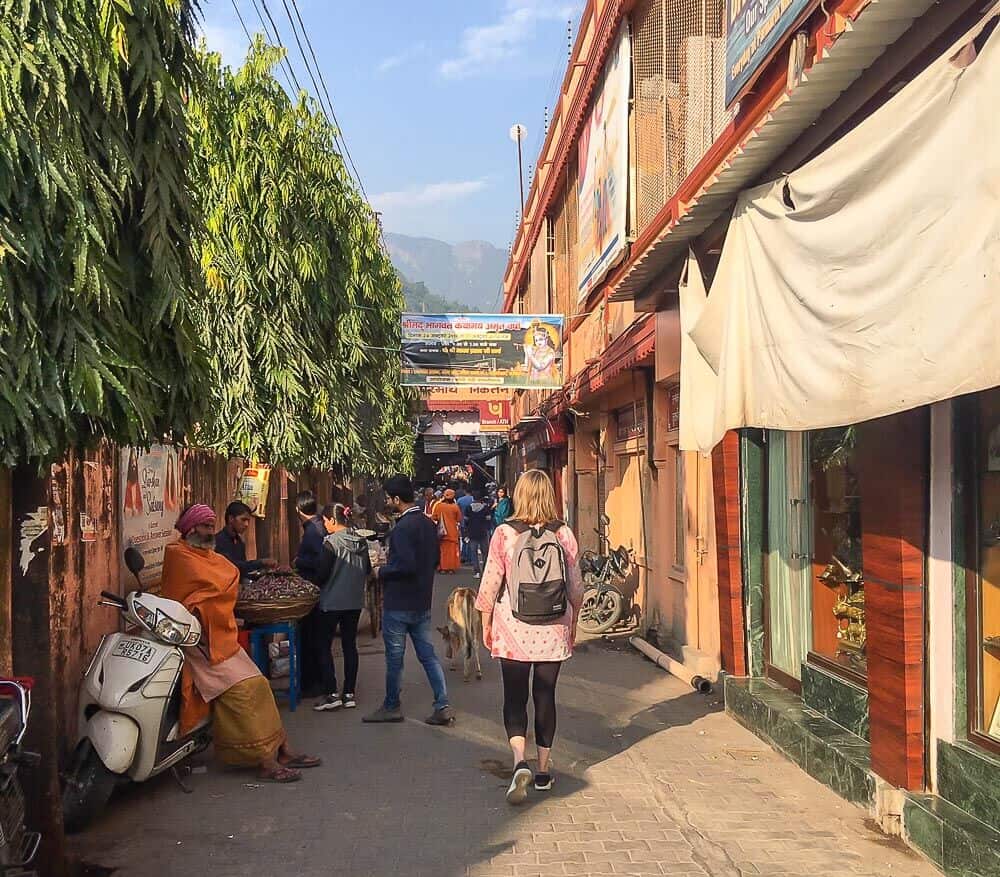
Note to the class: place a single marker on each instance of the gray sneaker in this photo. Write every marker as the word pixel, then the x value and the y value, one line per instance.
pixel 382 715
pixel 443 716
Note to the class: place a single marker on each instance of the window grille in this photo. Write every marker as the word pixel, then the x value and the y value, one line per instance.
pixel 679 88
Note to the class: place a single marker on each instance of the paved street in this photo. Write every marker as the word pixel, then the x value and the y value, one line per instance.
pixel 652 778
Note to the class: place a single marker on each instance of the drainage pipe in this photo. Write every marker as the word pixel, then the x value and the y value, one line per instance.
pixel 676 668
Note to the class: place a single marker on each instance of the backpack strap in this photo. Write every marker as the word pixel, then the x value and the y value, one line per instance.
pixel 518 526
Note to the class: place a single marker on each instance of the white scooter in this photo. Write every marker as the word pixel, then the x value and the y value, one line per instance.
pixel 130 701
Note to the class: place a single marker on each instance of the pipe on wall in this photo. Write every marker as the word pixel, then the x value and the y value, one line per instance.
pixel 675 668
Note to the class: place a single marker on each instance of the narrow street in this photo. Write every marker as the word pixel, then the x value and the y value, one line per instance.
pixel 652 778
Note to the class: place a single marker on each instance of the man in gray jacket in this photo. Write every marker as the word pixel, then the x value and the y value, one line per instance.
pixel 344 567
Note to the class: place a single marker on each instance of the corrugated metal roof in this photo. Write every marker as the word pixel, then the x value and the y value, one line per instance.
pixel 880 24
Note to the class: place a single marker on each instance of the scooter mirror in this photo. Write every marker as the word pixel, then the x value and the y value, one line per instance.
pixel 134 561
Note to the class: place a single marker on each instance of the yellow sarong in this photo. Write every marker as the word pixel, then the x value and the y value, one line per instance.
pixel 246 727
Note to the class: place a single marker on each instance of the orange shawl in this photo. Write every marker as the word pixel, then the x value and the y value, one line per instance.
pixel 208 585
pixel 451 514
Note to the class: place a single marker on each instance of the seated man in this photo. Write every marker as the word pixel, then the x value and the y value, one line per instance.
pixel 229 541
pixel 218 674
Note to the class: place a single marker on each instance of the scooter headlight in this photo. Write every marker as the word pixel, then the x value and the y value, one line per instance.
pixel 171 631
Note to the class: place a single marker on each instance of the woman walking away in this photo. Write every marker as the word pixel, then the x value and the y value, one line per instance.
pixel 344 567
pixel 532 567
pixel 448 516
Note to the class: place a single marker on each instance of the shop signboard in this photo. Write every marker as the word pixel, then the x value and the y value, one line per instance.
pixel 482 350
pixel 151 498
pixel 754 28
pixel 602 171
pixel 494 416
pixel 460 395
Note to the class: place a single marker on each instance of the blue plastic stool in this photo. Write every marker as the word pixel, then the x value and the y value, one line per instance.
pixel 258 651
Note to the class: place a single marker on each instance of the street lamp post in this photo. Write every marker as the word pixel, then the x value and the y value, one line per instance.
pixel 517 134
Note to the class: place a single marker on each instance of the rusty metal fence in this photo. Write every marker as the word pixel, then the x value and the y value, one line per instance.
pixel 679 95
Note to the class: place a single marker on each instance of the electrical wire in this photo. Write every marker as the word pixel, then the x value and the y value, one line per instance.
pixel 329 100
pixel 276 40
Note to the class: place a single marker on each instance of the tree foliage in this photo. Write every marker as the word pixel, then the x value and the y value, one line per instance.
pixel 300 309
pixel 95 263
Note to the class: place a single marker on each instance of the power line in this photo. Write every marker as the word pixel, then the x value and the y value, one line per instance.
pixel 329 100
pixel 325 106
pixel 276 39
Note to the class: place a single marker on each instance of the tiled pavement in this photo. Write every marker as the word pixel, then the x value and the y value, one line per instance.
pixel 652 778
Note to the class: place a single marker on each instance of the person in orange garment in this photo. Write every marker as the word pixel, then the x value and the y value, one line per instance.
pixel 218 675
pixel 448 516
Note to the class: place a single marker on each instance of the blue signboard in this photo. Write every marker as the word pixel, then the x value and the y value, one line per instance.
pixel 753 29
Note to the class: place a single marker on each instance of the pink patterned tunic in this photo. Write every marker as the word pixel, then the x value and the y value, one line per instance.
pixel 514 639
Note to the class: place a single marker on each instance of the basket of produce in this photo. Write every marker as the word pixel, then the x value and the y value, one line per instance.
pixel 280 595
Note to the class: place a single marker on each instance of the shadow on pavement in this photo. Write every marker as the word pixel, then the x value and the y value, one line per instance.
pixel 404 798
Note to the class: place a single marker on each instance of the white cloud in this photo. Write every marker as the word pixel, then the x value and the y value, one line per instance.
pixel 485 46
pixel 429 193
pixel 417 50
pixel 228 41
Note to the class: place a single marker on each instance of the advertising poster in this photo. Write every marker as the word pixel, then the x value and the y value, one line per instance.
pixel 252 490
pixel 753 29
pixel 151 500
pixel 602 172
pixel 483 350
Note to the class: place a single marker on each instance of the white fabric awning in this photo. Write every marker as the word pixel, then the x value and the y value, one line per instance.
pixel 867 282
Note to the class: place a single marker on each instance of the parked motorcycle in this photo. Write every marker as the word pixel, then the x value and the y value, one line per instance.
pixel 18 846
pixel 130 702
pixel 604 604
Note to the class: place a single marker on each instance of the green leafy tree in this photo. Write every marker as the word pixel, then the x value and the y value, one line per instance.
pixel 301 304
pixel 96 337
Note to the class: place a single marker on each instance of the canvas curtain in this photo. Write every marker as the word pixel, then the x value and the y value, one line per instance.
pixel 868 281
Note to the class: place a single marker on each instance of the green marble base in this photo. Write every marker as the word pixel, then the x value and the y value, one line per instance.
pixel 840 701
pixel 824 749
pixel 959 844
pixel 969 778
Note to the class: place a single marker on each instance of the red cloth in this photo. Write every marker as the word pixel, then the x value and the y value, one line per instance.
pixel 193 516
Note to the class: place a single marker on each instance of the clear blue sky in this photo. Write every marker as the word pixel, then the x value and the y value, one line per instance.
pixel 426 94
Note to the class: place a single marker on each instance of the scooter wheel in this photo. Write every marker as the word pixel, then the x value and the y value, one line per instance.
pixel 600 610
pixel 89 785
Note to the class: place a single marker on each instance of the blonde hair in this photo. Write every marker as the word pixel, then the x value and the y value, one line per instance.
pixel 535 498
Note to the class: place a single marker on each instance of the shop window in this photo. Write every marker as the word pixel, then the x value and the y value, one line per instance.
pixel 631 421
pixel 838 589
pixel 984 616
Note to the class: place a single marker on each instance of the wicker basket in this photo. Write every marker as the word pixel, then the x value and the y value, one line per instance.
pixel 277 609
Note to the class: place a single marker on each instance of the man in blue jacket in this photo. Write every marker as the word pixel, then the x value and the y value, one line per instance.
pixel 407 579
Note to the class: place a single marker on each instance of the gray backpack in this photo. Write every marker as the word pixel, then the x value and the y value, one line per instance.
pixel 536 582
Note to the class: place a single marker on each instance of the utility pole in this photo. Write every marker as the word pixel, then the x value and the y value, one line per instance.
pixel 517 134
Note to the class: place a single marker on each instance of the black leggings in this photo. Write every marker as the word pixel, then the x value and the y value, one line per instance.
pixel 347 621
pixel 543 692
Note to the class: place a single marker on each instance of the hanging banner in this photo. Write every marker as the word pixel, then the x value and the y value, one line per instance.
pixel 483 350
pixel 151 498
pixel 252 489
pixel 602 172
pixel 754 28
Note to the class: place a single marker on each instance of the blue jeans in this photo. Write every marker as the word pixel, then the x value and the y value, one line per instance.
pixel 396 625
pixel 480 552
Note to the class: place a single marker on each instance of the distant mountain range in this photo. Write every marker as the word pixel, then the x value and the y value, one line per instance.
pixel 469 273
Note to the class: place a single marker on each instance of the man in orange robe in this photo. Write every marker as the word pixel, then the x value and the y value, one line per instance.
pixel 218 676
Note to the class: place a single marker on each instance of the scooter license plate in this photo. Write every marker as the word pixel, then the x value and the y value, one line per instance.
pixel 134 650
